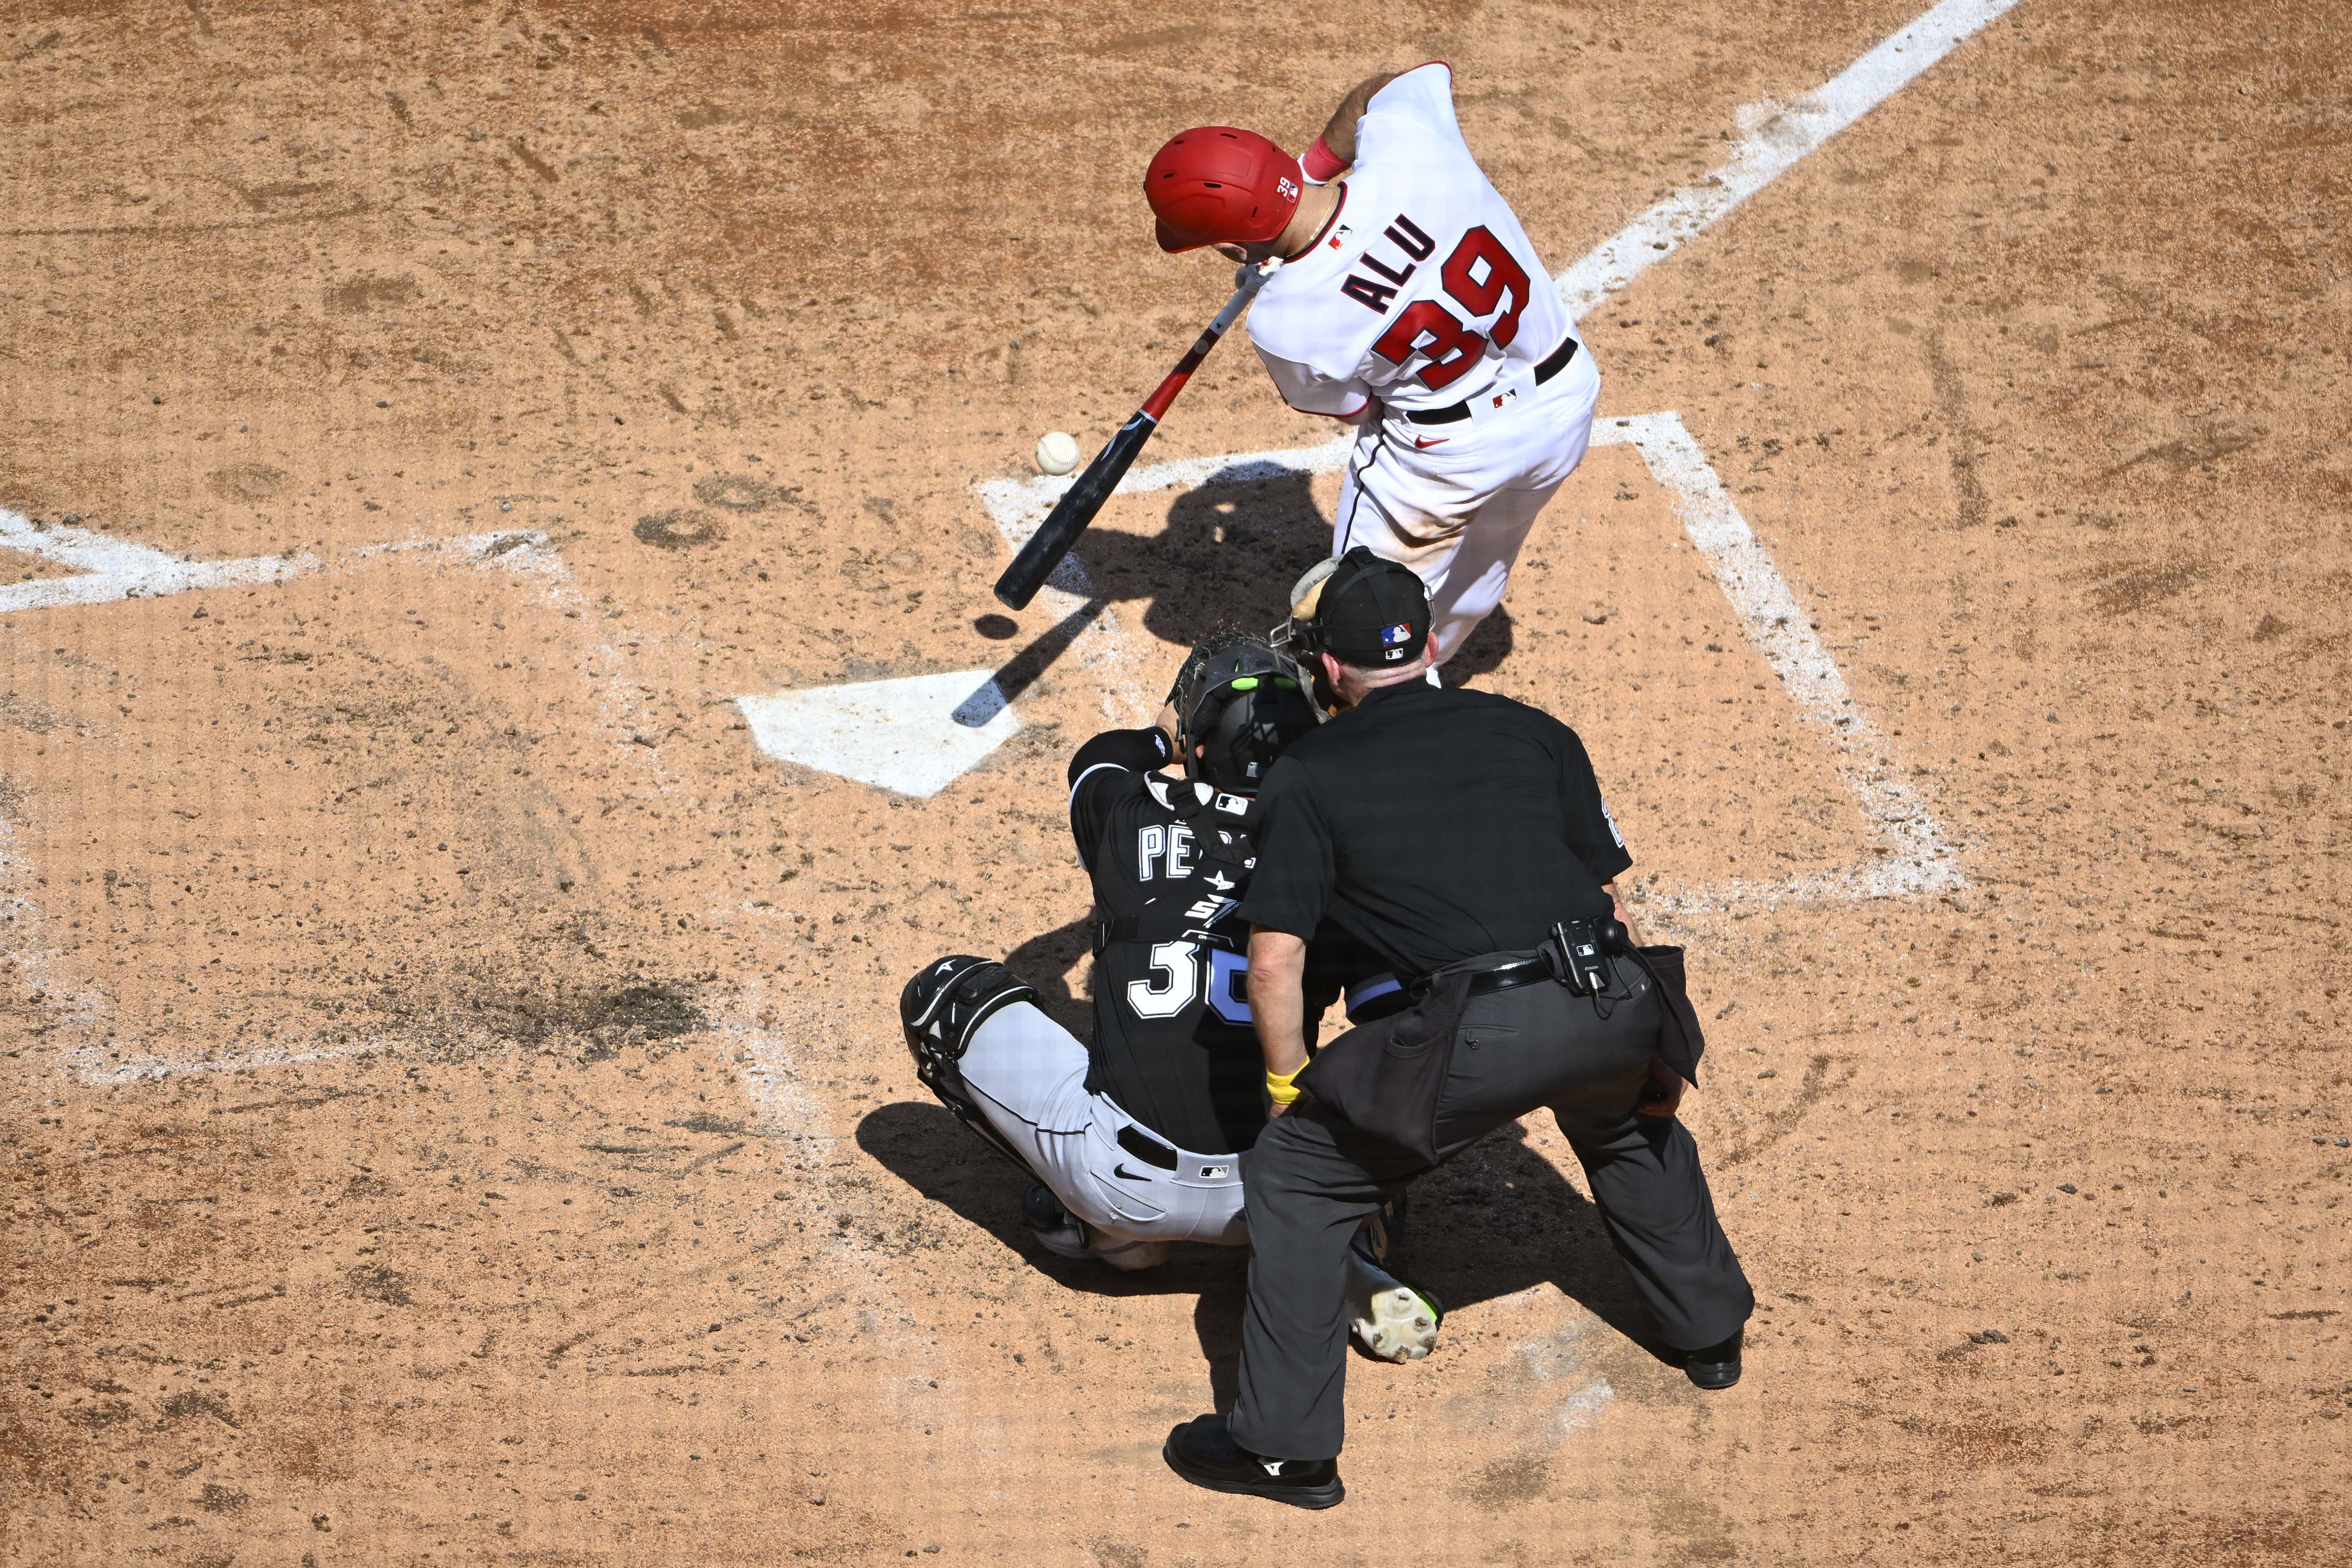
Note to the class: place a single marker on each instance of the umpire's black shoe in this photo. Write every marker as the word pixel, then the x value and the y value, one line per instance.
pixel 1716 1366
pixel 1204 1453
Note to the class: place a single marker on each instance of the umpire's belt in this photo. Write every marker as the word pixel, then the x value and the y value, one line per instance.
pixel 1485 982
pixel 1460 411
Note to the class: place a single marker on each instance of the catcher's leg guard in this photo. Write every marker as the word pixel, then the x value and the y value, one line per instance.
pixel 948 999
pixel 940 1009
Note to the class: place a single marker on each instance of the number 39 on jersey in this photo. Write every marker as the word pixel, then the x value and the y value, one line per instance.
pixel 1481 277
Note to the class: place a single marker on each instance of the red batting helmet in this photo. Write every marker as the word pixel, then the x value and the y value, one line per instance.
pixel 1215 184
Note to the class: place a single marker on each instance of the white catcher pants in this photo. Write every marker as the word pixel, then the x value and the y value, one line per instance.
pixel 1029 1075
pixel 1457 507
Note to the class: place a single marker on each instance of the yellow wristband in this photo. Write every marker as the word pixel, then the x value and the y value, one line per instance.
pixel 1280 1088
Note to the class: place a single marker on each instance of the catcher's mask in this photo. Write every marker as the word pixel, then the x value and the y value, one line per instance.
pixel 1238 704
pixel 1360 608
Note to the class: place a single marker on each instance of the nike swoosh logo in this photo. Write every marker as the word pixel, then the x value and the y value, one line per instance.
pixel 1124 1173
pixel 1424 443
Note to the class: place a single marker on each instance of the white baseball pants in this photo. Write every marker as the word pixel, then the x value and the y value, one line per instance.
pixel 1029 1075
pixel 1454 502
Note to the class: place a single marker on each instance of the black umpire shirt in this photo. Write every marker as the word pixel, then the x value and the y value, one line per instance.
pixel 1433 825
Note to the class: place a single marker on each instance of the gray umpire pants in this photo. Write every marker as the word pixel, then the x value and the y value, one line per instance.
pixel 1313 1178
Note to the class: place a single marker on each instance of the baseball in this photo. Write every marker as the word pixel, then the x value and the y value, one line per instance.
pixel 1057 452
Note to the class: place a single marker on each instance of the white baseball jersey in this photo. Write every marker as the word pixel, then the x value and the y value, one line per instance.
pixel 1423 291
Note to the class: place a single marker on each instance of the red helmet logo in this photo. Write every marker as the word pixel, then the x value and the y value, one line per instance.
pixel 1215 184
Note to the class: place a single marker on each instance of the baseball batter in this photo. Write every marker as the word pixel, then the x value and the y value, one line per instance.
pixel 1145 1140
pixel 1411 303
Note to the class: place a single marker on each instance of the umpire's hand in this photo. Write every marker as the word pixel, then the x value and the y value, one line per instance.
pixel 1663 1095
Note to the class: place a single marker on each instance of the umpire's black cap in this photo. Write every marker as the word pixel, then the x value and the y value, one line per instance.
pixel 1366 610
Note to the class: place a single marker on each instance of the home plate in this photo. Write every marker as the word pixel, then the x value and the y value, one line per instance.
pixel 900 735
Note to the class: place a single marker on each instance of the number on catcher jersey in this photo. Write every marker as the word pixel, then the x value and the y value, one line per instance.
pixel 1229 987
pixel 1169 987
pixel 1175 979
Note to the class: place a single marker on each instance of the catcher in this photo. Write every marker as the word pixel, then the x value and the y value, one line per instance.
pixel 1144 1139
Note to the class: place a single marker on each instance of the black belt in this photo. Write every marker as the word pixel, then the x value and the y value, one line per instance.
pixel 1453 411
pixel 1487 981
pixel 1145 1147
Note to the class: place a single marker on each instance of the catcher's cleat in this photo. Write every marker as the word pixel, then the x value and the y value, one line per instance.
pixel 1120 1253
pixel 1065 1235
pixel 1391 1319
pixel 940 1009
pixel 1058 1230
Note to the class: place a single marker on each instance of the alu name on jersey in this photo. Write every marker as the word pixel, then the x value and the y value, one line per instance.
pixel 1425 290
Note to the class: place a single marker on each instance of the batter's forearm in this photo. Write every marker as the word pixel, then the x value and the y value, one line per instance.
pixel 1277 994
pixel 1339 135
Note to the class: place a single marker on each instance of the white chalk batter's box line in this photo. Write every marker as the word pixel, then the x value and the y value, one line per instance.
pixel 1913 855
pixel 109 569
pixel 1774 138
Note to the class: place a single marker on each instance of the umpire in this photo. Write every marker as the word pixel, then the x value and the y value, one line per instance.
pixel 1463 838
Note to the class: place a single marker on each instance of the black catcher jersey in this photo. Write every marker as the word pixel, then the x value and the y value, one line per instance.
pixel 1173 1042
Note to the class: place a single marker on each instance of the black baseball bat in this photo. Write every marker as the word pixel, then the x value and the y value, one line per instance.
pixel 1037 559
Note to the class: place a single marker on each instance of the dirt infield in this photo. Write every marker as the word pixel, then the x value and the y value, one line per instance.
pixel 552 378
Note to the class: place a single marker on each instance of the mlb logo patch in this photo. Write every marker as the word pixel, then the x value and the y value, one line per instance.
pixel 1394 636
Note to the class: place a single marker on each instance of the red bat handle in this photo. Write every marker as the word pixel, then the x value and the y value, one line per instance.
pixel 1157 403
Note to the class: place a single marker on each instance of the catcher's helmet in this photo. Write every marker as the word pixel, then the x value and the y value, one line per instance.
pixel 1238 704
pixel 1215 184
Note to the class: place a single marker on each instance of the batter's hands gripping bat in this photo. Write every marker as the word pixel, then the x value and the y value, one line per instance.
pixel 1076 508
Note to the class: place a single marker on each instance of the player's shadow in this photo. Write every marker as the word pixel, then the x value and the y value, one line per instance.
pixel 1500 1217
pixel 1488 646
pixel 1045 962
pixel 1224 561
pixel 946 1164
pixel 1495 1221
